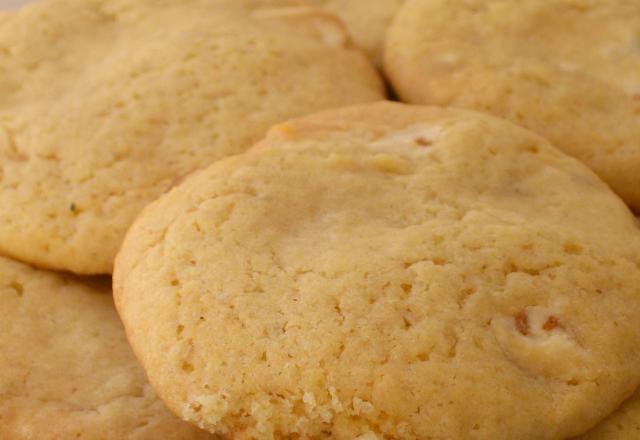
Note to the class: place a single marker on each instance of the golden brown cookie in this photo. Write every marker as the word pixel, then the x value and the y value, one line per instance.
pixel 387 271
pixel 567 69
pixel 103 103
pixel 67 370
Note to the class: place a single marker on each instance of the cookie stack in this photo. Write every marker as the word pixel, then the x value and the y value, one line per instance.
pixel 293 257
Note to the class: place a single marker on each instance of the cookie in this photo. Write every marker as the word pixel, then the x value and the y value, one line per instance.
pixel 624 424
pixel 104 103
pixel 67 369
pixel 387 271
pixel 538 63
pixel 367 21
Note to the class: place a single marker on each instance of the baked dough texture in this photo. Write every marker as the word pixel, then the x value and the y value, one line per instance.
pixel 623 424
pixel 567 69
pixel 387 271
pixel 366 20
pixel 67 369
pixel 104 103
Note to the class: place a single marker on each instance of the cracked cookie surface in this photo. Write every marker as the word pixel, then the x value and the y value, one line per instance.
pixel 103 103
pixel 67 369
pixel 567 69
pixel 387 270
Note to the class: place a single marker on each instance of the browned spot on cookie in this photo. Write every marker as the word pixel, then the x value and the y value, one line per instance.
pixel 551 323
pixel 522 322
pixel 17 287
pixel 423 142
pixel 187 367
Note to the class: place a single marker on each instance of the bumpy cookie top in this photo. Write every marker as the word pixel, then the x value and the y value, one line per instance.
pixel 388 270
pixel 103 103
pixel 568 69
pixel 67 370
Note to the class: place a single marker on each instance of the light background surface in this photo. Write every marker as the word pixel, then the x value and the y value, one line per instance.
pixel 12 4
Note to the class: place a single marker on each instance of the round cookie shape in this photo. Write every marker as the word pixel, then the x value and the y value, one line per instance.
pixel 106 102
pixel 67 369
pixel 538 63
pixel 387 270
